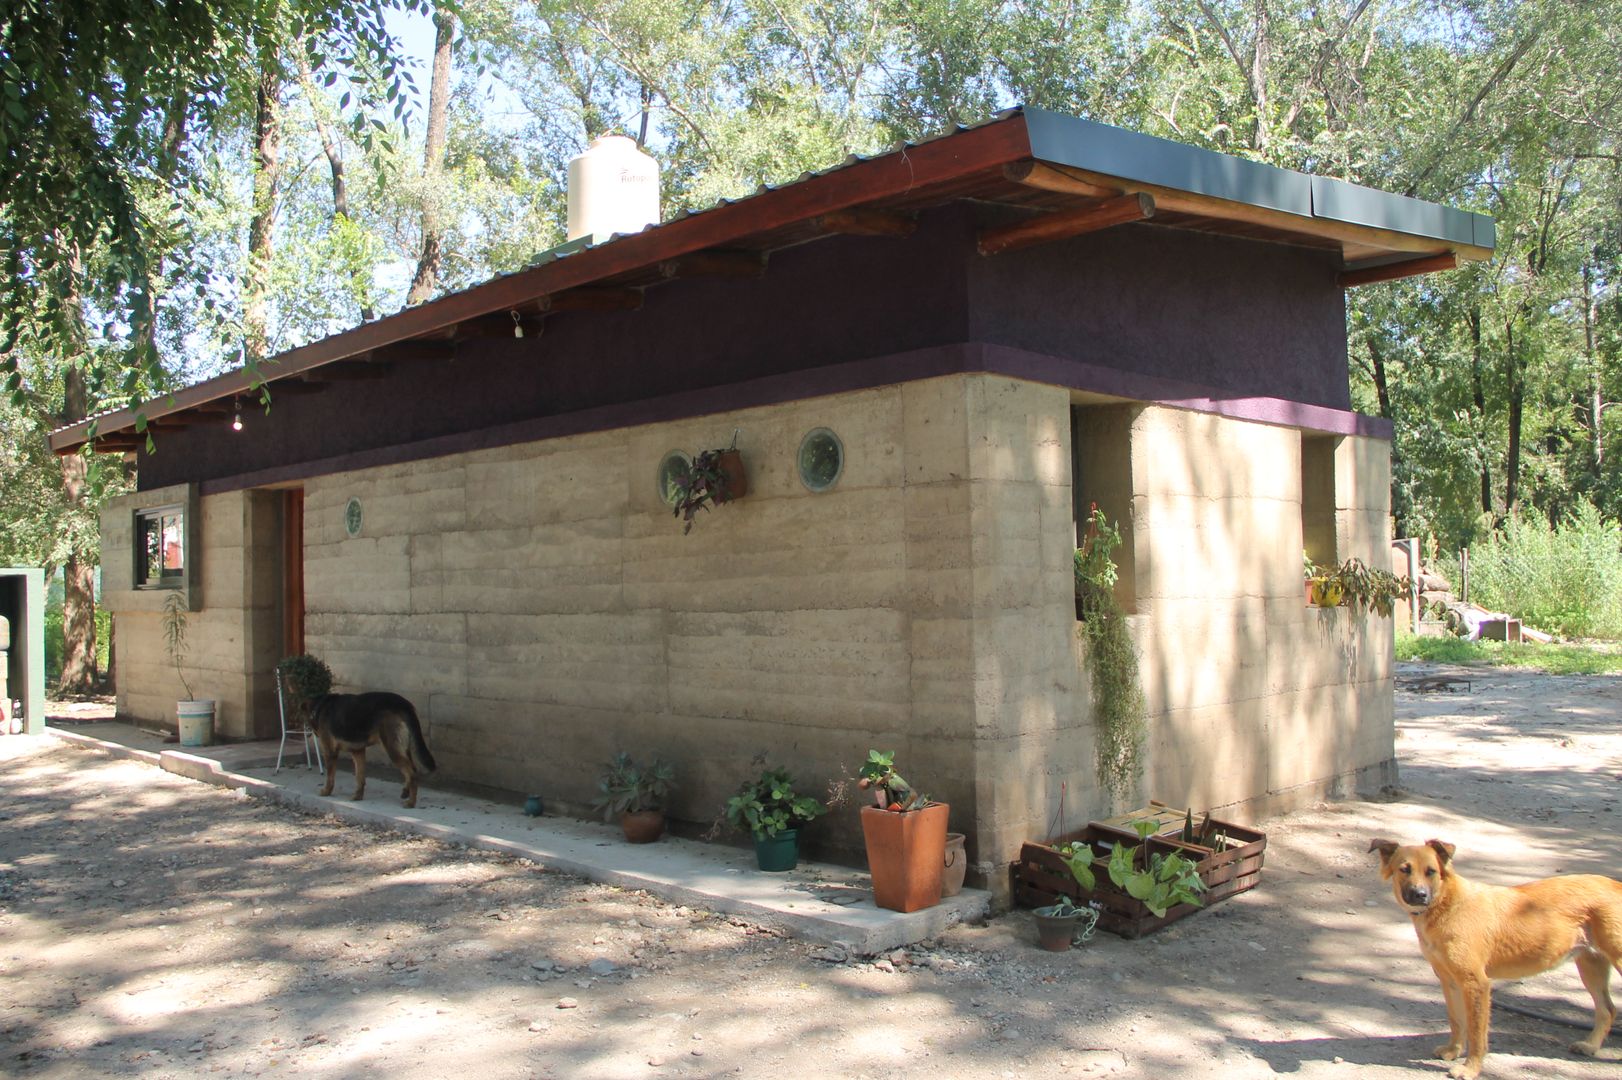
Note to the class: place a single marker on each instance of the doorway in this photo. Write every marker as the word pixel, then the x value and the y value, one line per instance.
pixel 292 571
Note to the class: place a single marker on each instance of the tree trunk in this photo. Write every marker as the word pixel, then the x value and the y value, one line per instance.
pixel 1400 505
pixel 427 276
pixel 1596 388
pixel 78 572
pixel 1480 395
pixel 1517 404
pixel 335 164
pixel 266 186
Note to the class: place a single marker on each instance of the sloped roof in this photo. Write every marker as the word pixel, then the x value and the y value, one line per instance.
pixel 1064 174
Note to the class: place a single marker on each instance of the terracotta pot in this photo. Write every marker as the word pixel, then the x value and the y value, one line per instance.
pixel 1054 932
pixel 906 854
pixel 957 865
pixel 643 826
pixel 731 463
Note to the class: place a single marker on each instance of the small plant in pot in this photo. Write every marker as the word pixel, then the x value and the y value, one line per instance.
pixel 635 794
pixel 772 812
pixel 905 832
pixel 1060 925
pixel 194 716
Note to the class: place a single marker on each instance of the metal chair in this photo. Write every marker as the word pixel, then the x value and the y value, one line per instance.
pixel 299 727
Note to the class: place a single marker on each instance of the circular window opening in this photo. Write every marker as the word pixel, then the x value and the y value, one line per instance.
pixel 352 517
pixel 673 472
pixel 822 459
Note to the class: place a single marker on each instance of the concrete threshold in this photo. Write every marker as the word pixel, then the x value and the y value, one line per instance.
pixel 828 905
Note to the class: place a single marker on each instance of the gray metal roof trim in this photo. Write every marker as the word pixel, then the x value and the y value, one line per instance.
pixel 1337 200
pixel 1148 159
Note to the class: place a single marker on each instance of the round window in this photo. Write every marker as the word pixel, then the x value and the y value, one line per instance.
pixel 352 520
pixel 673 471
pixel 822 459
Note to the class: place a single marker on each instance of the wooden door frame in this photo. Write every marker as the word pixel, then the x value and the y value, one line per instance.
pixel 292 571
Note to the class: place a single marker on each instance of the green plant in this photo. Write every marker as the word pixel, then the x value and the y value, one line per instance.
pixel 769 805
pixel 1080 858
pixel 628 788
pixel 1563 576
pixel 175 621
pixel 1358 586
pixel 704 483
pixel 890 791
pixel 1119 710
pixel 1086 916
pixel 307 677
pixel 1168 879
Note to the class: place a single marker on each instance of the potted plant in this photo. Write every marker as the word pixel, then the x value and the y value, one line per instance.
pixel 194 716
pixel 1062 924
pixel 905 831
pixel 636 795
pixel 714 477
pixel 772 812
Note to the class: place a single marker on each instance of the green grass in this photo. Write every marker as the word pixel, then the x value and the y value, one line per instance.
pixel 1554 659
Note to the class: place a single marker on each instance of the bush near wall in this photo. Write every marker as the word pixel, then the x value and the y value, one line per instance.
pixel 1564 577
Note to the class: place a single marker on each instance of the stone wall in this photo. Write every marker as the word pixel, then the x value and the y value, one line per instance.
pixel 543 609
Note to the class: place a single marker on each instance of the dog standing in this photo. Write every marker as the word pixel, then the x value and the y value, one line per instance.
pixel 1473 934
pixel 353 722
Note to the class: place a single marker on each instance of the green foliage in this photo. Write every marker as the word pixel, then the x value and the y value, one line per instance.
pixel 628 788
pixel 877 774
pixel 1556 659
pixel 175 621
pixel 769 805
pixel 307 677
pixel 1079 857
pixel 1357 585
pixel 1119 710
pixel 704 483
pixel 1167 880
pixel 1064 908
pixel 1564 577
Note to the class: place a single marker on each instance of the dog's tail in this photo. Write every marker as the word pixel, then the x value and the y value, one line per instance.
pixel 419 745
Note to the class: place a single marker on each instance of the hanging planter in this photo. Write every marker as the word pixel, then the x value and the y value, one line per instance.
pixel 715 477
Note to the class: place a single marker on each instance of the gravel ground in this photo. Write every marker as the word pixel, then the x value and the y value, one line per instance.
pixel 150 926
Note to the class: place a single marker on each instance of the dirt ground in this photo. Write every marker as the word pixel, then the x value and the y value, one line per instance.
pixel 150 926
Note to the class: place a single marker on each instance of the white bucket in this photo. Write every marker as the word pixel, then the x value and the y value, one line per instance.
pixel 196 721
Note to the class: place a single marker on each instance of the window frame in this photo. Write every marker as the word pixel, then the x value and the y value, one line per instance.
pixel 144 518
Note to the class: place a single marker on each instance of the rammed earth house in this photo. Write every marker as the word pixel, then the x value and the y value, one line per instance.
pixel 987 333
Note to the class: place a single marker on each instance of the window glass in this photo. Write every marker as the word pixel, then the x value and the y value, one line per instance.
pixel 822 459
pixel 673 472
pixel 160 546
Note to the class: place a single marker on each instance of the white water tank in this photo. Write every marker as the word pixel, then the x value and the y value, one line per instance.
pixel 613 188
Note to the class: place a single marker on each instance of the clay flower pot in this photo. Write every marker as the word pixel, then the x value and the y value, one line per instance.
pixel 957 865
pixel 1055 932
pixel 643 826
pixel 906 854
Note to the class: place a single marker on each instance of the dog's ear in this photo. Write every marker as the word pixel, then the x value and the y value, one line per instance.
pixel 1386 848
pixel 1444 851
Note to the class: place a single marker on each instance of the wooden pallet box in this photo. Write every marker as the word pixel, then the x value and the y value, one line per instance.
pixel 1040 874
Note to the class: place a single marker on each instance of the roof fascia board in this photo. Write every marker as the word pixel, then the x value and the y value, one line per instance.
pixel 1337 200
pixel 1146 159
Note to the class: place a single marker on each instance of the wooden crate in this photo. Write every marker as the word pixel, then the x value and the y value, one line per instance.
pixel 1040 875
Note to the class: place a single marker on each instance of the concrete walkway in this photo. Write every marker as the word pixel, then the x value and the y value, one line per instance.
pixel 831 905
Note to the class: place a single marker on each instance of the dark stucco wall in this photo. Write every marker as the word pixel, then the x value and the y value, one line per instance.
pixel 1237 317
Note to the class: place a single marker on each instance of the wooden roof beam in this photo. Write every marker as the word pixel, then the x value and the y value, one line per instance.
pixel 346 371
pixel 592 299
pixel 717 263
pixel 864 222
pixel 1066 223
pixel 1368 275
pixel 1041 175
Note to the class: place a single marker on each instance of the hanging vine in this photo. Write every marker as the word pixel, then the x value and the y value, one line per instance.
pixel 1119 710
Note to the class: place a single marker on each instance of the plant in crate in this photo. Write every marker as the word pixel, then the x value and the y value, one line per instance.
pixel 1166 879
pixel 772 811
pixel 905 833
pixel 635 794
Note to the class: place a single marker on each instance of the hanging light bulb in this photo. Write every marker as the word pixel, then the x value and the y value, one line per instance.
pixel 236 420
pixel 518 325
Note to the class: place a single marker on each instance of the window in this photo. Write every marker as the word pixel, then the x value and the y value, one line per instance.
pixel 671 477
pixel 160 548
pixel 821 459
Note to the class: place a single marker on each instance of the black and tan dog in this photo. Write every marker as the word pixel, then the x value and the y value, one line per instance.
pixel 1473 934
pixel 353 722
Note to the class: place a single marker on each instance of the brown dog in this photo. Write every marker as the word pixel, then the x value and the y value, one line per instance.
pixel 353 722
pixel 1473 934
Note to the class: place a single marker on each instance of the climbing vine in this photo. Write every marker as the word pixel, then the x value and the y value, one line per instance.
pixel 1112 659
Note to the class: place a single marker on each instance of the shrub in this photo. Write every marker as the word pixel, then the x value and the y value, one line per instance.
pixel 1564 577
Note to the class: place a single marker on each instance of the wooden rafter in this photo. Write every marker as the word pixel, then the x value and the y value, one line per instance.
pixel 1066 223
pixel 346 371
pixel 1368 275
pixel 718 263
pixel 1041 175
pixel 863 222
pixel 592 299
